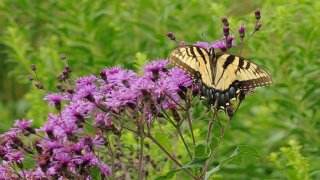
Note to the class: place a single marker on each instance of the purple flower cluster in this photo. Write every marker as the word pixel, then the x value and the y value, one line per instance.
pixel 65 148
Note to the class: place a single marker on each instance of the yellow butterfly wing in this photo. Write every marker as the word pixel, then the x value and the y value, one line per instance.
pixel 195 61
pixel 230 69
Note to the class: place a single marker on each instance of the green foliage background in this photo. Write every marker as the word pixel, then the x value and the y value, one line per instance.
pixel 96 34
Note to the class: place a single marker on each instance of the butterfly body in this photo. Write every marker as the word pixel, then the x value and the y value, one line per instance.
pixel 221 77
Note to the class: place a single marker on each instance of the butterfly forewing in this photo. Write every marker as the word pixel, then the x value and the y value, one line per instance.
pixel 193 60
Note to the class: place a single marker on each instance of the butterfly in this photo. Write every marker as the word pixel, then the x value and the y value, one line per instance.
pixel 221 76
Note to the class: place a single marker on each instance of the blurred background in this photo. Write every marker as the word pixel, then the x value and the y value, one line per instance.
pixel 282 121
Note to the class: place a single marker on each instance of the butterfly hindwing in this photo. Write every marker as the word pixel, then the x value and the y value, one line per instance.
pixel 232 69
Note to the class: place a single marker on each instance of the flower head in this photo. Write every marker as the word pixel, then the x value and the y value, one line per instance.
pixel 23 124
pixel 203 45
pixel 56 98
pixel 16 157
pixel 153 69
pixel 220 45
pixel 242 30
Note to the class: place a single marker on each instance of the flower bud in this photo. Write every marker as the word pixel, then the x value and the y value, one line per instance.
pixel 70 91
pixel 176 115
pixel 182 43
pixel 103 75
pixel 257 14
pixel 225 22
pixel 58 105
pixel 33 67
pixel 63 57
pixel 171 36
pixel 242 30
pixel 68 69
pixel 257 27
pixel 38 85
pixel 30 78
pixel 229 111
pixel 60 87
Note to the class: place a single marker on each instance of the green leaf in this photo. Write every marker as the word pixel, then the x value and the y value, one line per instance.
pixel 201 150
pixel 242 151
pixel 212 171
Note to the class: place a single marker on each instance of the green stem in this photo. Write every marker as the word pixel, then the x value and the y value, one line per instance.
pixel 214 152
pixel 179 132
pixel 168 154
pixel 112 158
pixel 141 153
pixel 190 126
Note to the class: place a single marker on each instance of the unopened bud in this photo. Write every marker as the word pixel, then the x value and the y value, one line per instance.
pixel 58 105
pixel 70 91
pixel 60 87
pixel 257 27
pixel 63 57
pixel 176 115
pixel 38 85
pixel 171 36
pixel 225 22
pixel 68 69
pixel 242 30
pixel 33 67
pixel 103 75
pixel 257 14
pixel 30 78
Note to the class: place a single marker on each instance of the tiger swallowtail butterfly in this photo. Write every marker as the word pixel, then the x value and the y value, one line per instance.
pixel 221 77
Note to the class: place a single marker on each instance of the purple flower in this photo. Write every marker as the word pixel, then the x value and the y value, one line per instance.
pixel 89 159
pixel 56 98
pixel 6 172
pixel 23 124
pixel 102 120
pixel 11 136
pixel 16 157
pixel 85 81
pixel 155 66
pixel 242 30
pixel 179 80
pixel 76 109
pixel 182 43
pixel 50 145
pixel 105 169
pixel 51 123
pixel 154 69
pixel 220 45
pixel 143 86
pixel 62 158
pixel 117 100
pixel 86 91
pixel 89 143
pixel 230 39
pixel 203 45
pixel 118 77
